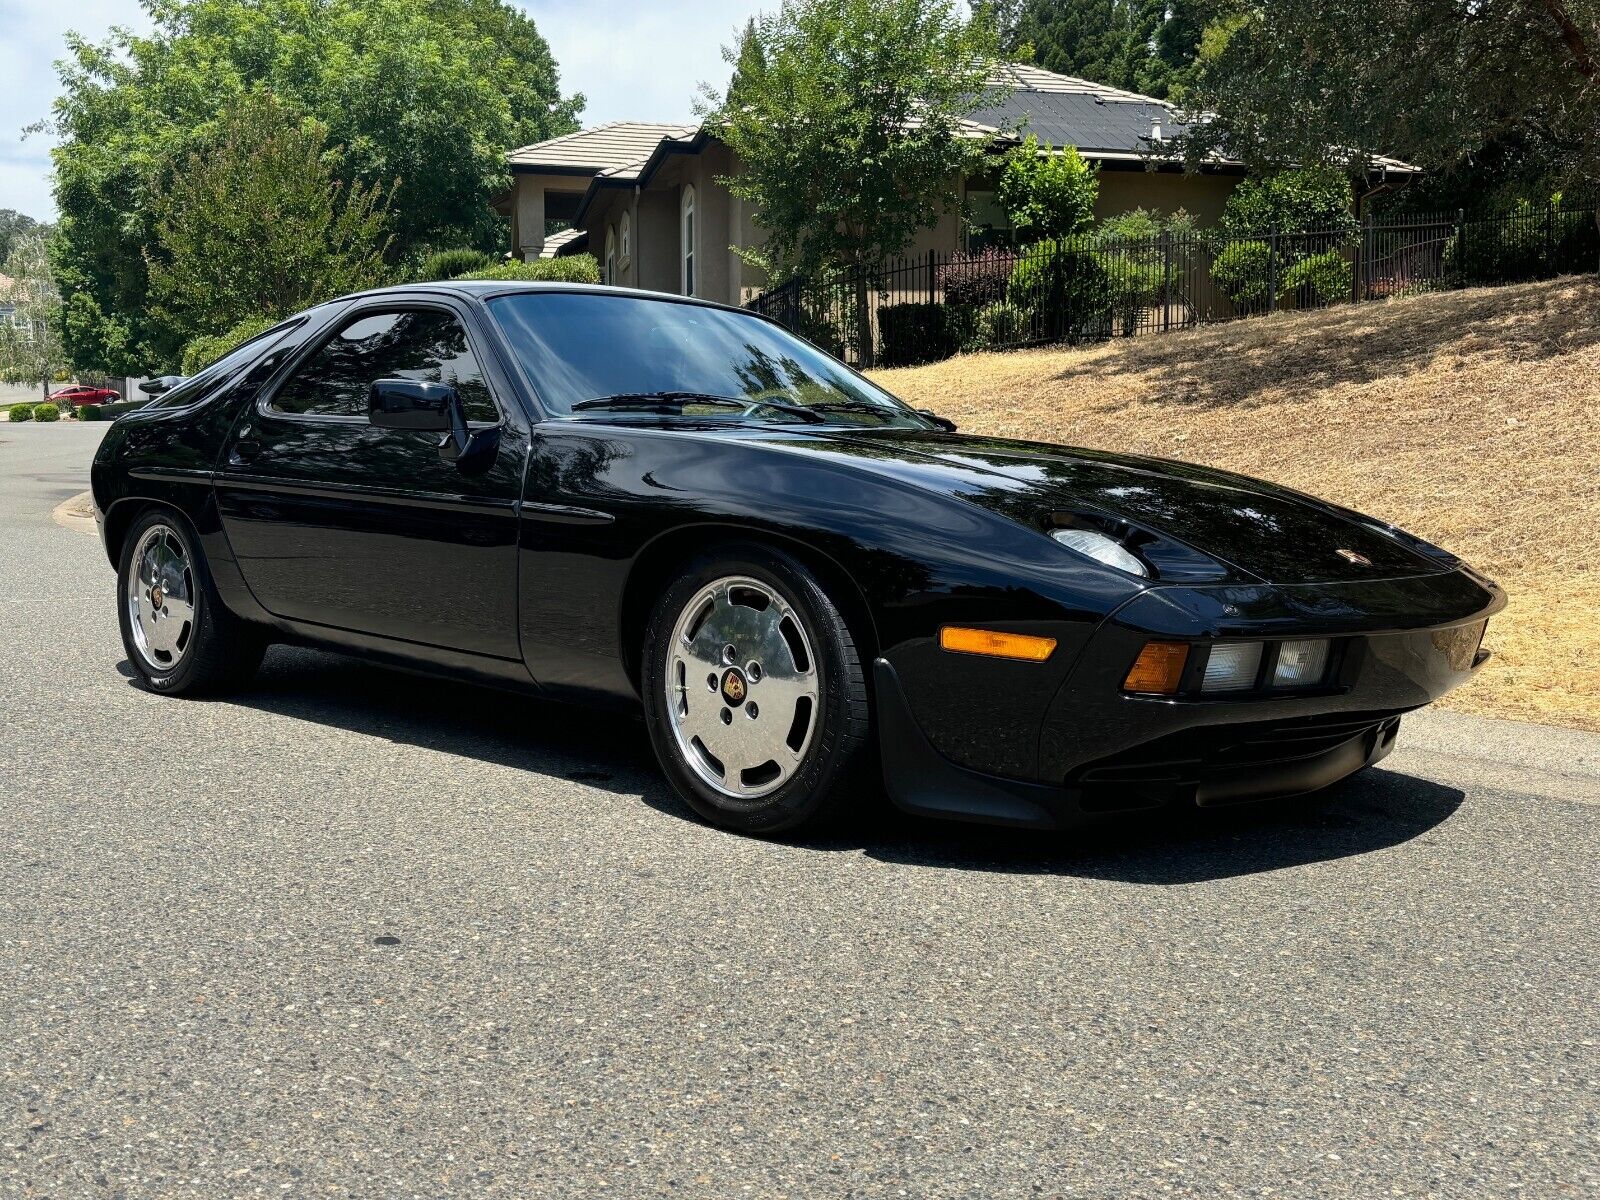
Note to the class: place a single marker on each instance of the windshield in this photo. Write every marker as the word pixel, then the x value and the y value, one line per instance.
pixel 593 352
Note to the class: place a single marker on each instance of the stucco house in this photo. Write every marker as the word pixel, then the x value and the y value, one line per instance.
pixel 645 200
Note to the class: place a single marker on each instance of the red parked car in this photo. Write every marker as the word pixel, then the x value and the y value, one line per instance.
pixel 79 394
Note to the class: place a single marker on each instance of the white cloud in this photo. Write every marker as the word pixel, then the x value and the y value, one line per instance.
pixel 632 60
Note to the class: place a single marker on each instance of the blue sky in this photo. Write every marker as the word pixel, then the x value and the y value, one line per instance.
pixel 632 59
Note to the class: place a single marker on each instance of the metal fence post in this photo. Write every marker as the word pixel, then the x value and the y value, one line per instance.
pixel 1272 268
pixel 932 275
pixel 1166 280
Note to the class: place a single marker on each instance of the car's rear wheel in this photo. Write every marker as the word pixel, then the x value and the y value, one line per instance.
pixel 179 638
pixel 754 692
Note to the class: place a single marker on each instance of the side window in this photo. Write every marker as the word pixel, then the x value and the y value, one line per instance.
pixel 419 344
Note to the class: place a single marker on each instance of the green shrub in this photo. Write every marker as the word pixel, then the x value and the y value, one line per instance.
pixel 1050 194
pixel 1313 200
pixel 571 268
pixel 919 333
pixel 447 264
pixel 91 412
pixel 22 412
pixel 1001 324
pixel 46 412
pixel 201 352
pixel 1064 290
pixel 1324 278
pixel 1243 271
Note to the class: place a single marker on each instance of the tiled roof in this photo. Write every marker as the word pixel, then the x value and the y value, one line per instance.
pixel 1036 79
pixel 603 148
pixel 560 240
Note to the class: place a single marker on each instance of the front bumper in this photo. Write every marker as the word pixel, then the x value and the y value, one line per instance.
pixel 1097 750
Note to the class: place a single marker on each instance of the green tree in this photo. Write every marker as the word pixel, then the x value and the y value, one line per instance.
pixel 432 94
pixel 30 344
pixel 1047 194
pixel 255 225
pixel 1147 46
pixel 15 226
pixel 846 118
pixel 1435 82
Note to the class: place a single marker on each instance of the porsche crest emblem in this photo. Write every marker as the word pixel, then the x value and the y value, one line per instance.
pixel 733 687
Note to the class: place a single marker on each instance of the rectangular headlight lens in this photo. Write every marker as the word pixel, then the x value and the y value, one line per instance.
pixel 1301 664
pixel 1232 667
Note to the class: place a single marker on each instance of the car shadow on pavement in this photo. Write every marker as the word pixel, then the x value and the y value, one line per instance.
pixel 1371 811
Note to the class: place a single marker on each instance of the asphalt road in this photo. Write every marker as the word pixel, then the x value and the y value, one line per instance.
pixel 352 933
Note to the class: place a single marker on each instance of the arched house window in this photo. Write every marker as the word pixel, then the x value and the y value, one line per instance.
pixel 625 241
pixel 611 254
pixel 687 235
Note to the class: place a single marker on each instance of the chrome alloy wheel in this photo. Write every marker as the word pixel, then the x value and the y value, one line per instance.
pixel 741 687
pixel 160 598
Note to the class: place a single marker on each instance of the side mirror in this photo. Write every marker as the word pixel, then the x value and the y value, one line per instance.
pixel 944 423
pixel 413 404
pixel 425 407
pixel 160 384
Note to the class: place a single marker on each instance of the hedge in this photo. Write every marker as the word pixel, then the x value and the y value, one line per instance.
pixel 22 412
pixel 448 264
pixel 46 412
pixel 571 268
pixel 91 412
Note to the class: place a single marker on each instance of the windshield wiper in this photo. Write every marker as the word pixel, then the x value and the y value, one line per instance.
pixel 671 402
pixel 859 406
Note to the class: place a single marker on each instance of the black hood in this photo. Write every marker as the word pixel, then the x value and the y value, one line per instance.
pixel 1258 529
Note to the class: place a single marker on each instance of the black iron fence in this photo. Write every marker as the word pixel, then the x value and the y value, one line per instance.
pixel 1094 287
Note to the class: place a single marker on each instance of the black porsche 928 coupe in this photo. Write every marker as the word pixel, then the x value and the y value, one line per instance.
pixel 615 497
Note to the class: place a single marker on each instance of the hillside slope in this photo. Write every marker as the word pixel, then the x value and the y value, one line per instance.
pixel 1471 418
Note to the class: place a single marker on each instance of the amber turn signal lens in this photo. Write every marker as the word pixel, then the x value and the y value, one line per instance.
pixel 962 640
pixel 1158 669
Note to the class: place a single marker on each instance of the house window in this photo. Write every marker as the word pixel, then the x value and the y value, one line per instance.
pixel 625 241
pixel 688 241
pixel 989 223
pixel 611 254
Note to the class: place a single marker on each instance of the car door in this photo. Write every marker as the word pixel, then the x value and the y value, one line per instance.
pixel 335 522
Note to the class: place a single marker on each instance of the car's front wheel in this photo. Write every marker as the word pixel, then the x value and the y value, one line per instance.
pixel 754 692
pixel 179 638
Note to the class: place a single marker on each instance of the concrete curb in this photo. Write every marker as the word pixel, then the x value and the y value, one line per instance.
pixel 76 513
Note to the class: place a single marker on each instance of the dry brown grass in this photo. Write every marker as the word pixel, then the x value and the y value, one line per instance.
pixel 1471 418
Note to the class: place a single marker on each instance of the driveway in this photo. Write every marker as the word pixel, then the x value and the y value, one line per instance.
pixel 353 933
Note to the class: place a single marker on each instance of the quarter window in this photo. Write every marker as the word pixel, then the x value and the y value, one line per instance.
pixel 422 344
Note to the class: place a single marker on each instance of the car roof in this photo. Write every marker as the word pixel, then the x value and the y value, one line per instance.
pixel 483 289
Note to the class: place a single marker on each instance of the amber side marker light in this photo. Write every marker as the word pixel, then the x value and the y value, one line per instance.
pixel 1158 669
pixel 961 640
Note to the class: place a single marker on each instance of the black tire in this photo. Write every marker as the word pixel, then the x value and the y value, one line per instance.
pixel 834 764
pixel 218 652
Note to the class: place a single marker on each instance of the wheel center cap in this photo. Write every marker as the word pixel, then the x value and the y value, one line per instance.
pixel 157 598
pixel 734 687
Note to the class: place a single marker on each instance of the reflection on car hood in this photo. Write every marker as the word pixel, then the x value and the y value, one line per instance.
pixel 1260 529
